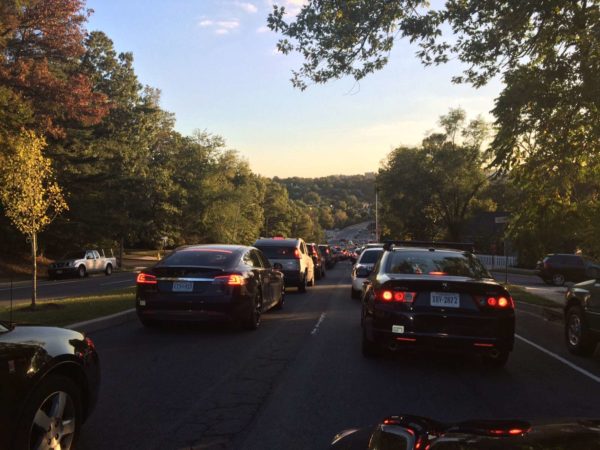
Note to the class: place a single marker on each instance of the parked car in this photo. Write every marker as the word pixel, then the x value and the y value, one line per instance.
pixel 582 314
pixel 430 297
pixel 408 432
pixel 556 268
pixel 81 264
pixel 291 256
pixel 49 380
pixel 225 283
pixel 327 256
pixel 363 267
pixel 318 261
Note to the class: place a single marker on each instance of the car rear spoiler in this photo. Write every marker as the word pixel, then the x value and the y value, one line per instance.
pixel 465 246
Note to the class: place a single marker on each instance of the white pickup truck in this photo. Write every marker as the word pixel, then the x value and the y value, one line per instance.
pixel 82 263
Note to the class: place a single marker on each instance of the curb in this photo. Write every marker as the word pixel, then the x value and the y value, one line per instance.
pixel 101 323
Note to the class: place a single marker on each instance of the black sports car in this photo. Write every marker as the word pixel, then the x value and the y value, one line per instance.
pixel 49 380
pixel 209 283
pixel 438 298
pixel 407 432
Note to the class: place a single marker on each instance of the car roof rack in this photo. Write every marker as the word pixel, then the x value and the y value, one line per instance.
pixel 432 245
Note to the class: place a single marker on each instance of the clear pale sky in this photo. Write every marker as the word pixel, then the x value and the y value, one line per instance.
pixel 216 65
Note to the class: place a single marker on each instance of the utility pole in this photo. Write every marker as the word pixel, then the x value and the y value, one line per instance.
pixel 376 215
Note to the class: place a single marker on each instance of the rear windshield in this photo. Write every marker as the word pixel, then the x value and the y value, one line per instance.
pixel 370 256
pixel 277 251
pixel 436 263
pixel 199 258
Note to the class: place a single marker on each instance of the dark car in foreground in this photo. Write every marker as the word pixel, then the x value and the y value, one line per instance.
pixel 438 298
pixel 406 432
pixel 582 315
pixel 226 283
pixel 557 268
pixel 49 380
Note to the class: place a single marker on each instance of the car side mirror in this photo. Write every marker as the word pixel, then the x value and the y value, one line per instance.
pixel 362 272
pixel 593 272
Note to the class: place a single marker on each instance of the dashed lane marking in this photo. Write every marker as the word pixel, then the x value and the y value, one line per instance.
pixel 316 328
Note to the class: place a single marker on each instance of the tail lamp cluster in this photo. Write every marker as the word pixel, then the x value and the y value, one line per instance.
pixel 389 296
pixel 229 280
pixel 495 302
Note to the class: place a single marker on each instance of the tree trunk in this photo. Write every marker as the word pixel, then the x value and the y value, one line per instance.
pixel 34 276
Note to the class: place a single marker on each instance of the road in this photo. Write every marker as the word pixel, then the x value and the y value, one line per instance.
pixel 301 378
pixel 535 285
pixel 69 287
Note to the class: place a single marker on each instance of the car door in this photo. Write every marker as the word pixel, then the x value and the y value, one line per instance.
pixel 97 262
pixel 263 278
pixel 89 262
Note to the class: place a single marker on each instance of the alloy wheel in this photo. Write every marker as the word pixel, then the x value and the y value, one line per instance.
pixel 574 330
pixel 54 423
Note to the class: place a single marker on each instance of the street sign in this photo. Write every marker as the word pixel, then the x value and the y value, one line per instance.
pixel 501 219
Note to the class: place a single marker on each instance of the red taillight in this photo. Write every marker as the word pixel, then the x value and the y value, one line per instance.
pixel 495 302
pixel 296 253
pixel 145 278
pixel 438 273
pixel 231 280
pixel 397 296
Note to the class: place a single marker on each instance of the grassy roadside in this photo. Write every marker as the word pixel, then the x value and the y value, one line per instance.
pixel 72 310
pixel 521 295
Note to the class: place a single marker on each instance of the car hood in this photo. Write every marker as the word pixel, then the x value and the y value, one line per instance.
pixel 414 432
pixel 52 341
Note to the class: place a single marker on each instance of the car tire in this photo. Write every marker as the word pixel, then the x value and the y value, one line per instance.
pixel 318 274
pixel 302 285
pixel 252 322
pixel 370 349
pixel 354 293
pixel 42 408
pixel 81 272
pixel 577 337
pixel 322 272
pixel 497 360
pixel 312 281
pixel 558 279
pixel 108 270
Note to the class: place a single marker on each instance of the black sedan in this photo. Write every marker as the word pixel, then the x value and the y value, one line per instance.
pixel 439 298
pixel 49 379
pixel 408 432
pixel 227 283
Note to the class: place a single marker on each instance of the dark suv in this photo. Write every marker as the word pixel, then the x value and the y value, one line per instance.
pixel 557 268
pixel 291 257
pixel 315 253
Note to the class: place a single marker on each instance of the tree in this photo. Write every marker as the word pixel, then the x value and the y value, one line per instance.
pixel 546 52
pixel 31 197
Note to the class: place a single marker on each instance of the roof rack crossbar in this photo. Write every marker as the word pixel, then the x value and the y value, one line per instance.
pixel 466 246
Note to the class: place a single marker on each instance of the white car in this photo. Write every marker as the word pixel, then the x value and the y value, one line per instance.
pixel 363 267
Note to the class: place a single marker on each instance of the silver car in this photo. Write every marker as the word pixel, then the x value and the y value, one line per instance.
pixel 363 267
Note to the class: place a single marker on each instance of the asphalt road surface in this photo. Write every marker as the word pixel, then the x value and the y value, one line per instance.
pixel 67 287
pixel 301 378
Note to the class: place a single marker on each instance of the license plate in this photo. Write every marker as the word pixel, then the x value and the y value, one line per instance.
pixel 398 329
pixel 183 286
pixel 445 300
pixel 59 272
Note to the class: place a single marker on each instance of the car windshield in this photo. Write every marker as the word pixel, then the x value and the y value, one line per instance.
pixel 199 257
pixel 435 263
pixel 278 251
pixel 370 256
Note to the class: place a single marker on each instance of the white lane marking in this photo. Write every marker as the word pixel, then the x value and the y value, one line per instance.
pixel 316 328
pixel 560 358
pixel 117 282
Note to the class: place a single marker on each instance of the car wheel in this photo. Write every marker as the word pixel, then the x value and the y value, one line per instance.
pixel 108 270
pixel 252 322
pixel 317 274
pixel 558 279
pixel 52 416
pixel 322 272
pixel 497 359
pixel 302 285
pixel 81 273
pixel 279 304
pixel 370 349
pixel 312 280
pixel 577 336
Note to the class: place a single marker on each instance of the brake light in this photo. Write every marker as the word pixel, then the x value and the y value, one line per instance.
pixel 145 278
pixel 495 302
pixel 397 296
pixel 231 280
pixel 438 273
pixel 296 253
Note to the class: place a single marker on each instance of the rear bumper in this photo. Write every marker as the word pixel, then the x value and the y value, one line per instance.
pixel 292 278
pixel 489 334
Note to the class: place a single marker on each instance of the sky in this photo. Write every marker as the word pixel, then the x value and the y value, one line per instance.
pixel 216 66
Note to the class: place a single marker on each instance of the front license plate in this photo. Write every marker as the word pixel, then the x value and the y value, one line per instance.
pixel 398 329
pixel 59 272
pixel 183 286
pixel 445 300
